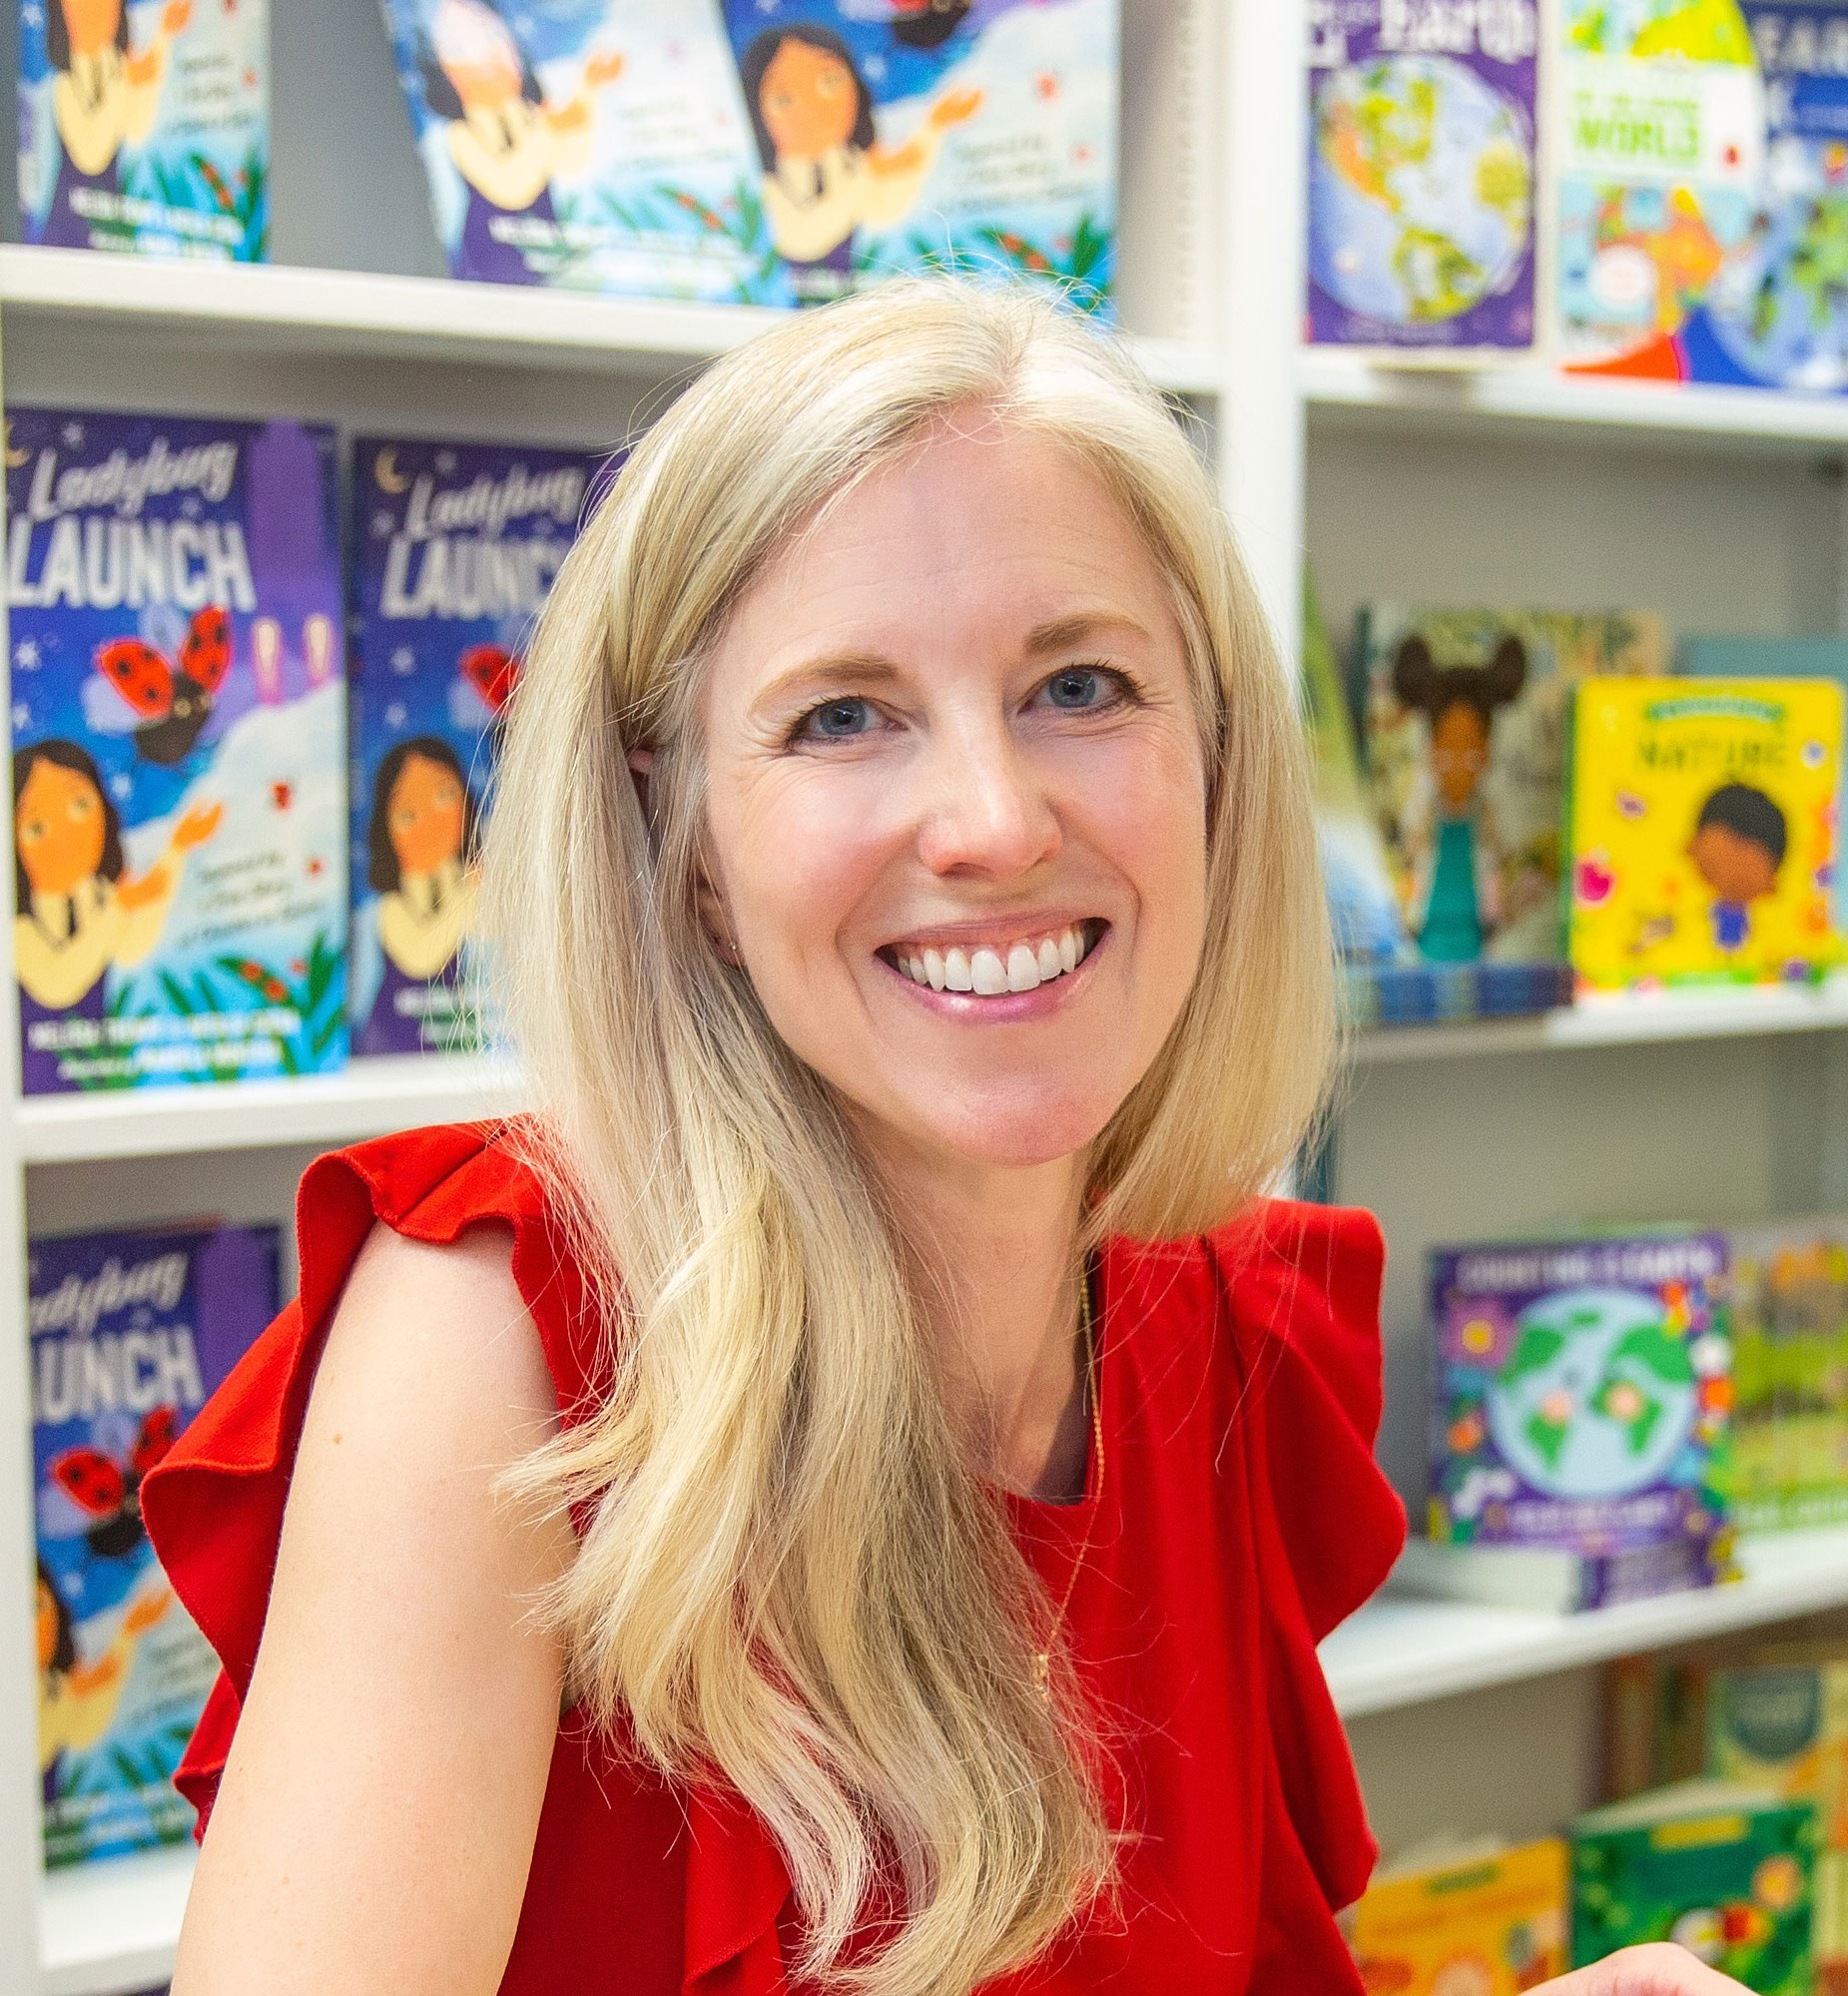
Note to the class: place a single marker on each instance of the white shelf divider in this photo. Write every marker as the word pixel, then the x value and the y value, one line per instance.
pixel 110 1929
pixel 1401 1650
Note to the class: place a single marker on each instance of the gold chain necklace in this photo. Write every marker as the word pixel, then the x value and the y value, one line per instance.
pixel 1042 1659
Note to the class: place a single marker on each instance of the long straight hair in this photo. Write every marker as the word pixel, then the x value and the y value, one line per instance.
pixel 794 1580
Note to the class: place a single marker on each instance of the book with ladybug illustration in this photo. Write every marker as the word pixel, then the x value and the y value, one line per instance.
pixel 976 137
pixel 1702 821
pixel 179 729
pixel 455 547
pixel 130 1332
pixel 144 125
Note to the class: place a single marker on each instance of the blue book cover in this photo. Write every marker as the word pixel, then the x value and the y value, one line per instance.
pixel 454 549
pixel 179 748
pixel 130 1334
pixel 144 125
pixel 595 144
pixel 972 136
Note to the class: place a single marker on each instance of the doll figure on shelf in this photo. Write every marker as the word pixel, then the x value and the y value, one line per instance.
pixel 1457 892
pixel 105 97
pixel 826 176
pixel 420 861
pixel 506 138
pixel 76 910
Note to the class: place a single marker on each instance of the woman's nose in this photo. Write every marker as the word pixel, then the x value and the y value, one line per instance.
pixel 988 810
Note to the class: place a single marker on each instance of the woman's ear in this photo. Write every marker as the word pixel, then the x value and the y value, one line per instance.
pixel 642 768
pixel 716 920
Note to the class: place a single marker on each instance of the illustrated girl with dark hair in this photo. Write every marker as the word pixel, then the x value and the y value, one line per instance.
pixel 826 176
pixel 1456 898
pixel 506 137
pixel 78 1699
pixel 420 861
pixel 1740 839
pixel 76 909
pixel 105 97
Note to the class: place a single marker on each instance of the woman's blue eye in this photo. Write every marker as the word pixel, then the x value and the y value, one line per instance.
pixel 1078 686
pixel 837 718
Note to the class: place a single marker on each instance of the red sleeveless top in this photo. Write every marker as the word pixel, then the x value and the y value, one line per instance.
pixel 1241 1516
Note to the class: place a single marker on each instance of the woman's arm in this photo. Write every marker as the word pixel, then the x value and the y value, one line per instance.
pixel 378 1814
pixel 1656 1970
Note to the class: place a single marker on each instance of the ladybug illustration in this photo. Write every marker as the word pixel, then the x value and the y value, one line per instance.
pixel 102 1497
pixel 492 671
pixel 927 24
pixel 171 702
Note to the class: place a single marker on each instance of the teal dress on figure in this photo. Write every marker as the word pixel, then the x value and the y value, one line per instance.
pixel 1452 931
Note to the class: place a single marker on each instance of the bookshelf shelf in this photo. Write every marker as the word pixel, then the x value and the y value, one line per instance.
pixel 110 1929
pixel 1399 1650
pixel 1339 387
pixel 279 311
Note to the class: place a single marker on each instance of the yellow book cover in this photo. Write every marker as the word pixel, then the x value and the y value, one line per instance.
pixel 1493 1925
pixel 1702 824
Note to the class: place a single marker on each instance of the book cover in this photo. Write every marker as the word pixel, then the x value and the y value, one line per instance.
pixel 144 125
pixel 1492 1924
pixel 1423 174
pixel 1581 1396
pixel 1468 713
pixel 1722 1870
pixel 129 1333
pixel 1660 144
pixel 597 145
pixel 179 748
pixel 454 549
pixel 969 135
pixel 1786 1727
pixel 1702 822
pixel 1789 1321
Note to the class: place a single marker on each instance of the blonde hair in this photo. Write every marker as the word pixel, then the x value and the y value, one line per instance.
pixel 792 1577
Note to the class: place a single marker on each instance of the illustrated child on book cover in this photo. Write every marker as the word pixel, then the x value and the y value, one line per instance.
pixel 458 545
pixel 955 135
pixel 178 726
pixel 144 125
pixel 129 1333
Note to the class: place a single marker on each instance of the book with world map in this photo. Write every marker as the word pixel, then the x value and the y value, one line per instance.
pixel 1422 176
pixel 1581 1400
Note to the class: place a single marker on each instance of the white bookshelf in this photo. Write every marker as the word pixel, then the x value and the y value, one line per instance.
pixel 110 1929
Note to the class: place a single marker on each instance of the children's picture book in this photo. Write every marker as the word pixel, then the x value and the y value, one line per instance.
pixel 179 748
pixel 969 136
pixel 1702 821
pixel 144 125
pixel 1582 1390
pixel 1660 144
pixel 599 145
pixel 454 549
pixel 1490 1922
pixel 129 1333
pixel 1468 716
pixel 1721 1869
pixel 1423 177
pixel 1789 1321
pixel 1785 1727
pixel 1654 1723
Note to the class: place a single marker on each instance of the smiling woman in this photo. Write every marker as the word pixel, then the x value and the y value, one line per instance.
pixel 845 1494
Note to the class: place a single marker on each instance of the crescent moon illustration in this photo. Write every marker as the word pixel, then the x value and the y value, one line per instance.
pixel 15 457
pixel 385 471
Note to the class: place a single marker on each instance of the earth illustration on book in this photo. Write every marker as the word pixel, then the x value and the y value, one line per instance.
pixel 1422 189
pixel 1597 1396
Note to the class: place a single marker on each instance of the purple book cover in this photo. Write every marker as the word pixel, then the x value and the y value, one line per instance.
pixel 454 549
pixel 1581 1398
pixel 131 1332
pixel 1423 171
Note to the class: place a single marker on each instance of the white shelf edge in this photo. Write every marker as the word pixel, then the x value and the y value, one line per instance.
pixel 367 1098
pixel 355 311
pixel 1399 1650
pixel 1617 1022
pixel 110 1929
pixel 1536 396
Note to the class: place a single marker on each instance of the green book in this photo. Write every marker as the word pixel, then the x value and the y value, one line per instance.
pixel 1724 1870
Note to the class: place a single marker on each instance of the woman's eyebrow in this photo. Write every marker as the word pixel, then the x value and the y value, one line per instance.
pixel 1078 628
pixel 826 674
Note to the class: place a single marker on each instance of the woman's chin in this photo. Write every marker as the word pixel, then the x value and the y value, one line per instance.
pixel 1015 1137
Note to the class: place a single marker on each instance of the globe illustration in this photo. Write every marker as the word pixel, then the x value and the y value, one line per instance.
pixel 1596 1397
pixel 1780 308
pixel 1422 193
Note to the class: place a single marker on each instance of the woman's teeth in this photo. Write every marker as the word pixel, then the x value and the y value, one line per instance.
pixel 1022 967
